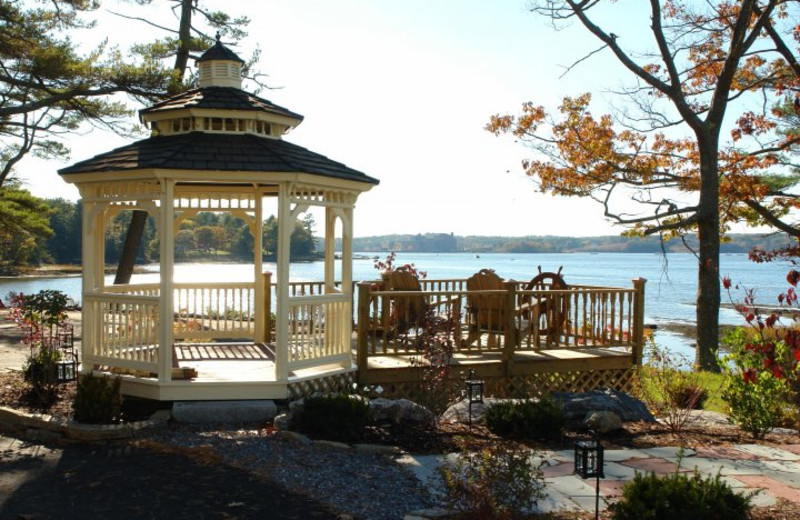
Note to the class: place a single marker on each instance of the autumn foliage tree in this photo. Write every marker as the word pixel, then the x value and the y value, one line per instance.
pixel 697 146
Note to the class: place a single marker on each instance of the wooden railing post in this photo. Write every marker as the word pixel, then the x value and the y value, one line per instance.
pixel 510 341
pixel 362 343
pixel 266 291
pixel 638 317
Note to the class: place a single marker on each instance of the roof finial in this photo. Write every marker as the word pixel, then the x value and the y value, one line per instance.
pixel 217 36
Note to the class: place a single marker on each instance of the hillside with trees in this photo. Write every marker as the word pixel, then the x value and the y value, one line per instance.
pixel 444 243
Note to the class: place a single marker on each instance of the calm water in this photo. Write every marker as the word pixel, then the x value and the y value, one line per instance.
pixel 670 289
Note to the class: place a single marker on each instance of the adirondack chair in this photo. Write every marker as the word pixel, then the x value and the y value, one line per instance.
pixel 408 310
pixel 489 313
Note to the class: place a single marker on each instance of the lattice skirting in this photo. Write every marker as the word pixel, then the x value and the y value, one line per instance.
pixel 323 385
pixel 534 385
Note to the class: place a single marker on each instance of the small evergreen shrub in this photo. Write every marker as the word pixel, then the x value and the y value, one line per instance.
pixel 97 400
pixel 542 419
pixel 339 417
pixel 679 496
pixel 496 482
pixel 689 396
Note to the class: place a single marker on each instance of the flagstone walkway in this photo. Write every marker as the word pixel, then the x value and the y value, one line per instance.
pixel 746 467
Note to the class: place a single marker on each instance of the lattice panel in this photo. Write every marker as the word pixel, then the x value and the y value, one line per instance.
pixel 535 385
pixel 323 385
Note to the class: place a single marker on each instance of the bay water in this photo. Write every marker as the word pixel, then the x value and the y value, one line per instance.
pixel 669 293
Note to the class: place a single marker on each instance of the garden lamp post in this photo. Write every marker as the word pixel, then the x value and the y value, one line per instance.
pixel 474 392
pixel 589 463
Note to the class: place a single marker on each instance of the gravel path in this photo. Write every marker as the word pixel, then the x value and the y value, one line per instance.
pixel 367 486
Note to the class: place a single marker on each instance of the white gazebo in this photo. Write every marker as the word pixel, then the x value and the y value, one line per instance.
pixel 218 148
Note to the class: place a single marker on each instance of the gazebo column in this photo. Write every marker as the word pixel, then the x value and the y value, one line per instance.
pixel 92 258
pixel 166 272
pixel 258 263
pixel 330 253
pixel 282 291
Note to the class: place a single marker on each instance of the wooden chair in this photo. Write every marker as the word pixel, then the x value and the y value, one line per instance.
pixel 407 311
pixel 550 312
pixel 489 313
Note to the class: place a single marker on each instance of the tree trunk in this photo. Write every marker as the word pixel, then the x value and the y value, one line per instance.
pixel 708 284
pixel 127 257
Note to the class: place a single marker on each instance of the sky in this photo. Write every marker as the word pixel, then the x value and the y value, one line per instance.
pixel 402 91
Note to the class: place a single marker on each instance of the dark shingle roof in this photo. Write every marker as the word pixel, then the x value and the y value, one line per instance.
pixel 219 52
pixel 221 152
pixel 227 98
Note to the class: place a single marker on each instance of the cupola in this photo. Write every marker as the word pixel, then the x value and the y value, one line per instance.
pixel 220 67
pixel 219 105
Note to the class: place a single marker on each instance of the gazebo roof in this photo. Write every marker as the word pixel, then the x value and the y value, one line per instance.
pixel 217 152
pixel 226 98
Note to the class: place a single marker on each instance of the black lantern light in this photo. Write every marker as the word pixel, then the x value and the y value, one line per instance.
pixel 589 463
pixel 474 392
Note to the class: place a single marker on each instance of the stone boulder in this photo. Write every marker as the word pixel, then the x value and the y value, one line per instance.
pixel 459 412
pixel 397 411
pixel 602 422
pixel 578 406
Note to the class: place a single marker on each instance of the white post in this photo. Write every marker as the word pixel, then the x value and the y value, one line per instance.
pixel 330 256
pixel 347 272
pixel 258 256
pixel 88 260
pixel 285 225
pixel 167 253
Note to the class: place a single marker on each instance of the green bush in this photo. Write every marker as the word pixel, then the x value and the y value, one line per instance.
pixel 542 419
pixel 98 400
pixel 41 368
pixel 758 398
pixel 755 406
pixel 680 497
pixel 339 417
pixel 496 482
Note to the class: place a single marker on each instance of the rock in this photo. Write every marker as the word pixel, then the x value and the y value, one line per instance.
pixel 399 411
pixel 299 438
pixel 224 411
pixel 377 448
pixel 578 405
pixel 331 445
pixel 603 422
pixel 459 412
pixel 282 422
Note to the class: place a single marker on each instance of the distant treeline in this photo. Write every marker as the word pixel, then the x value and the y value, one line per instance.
pixel 449 243
pixel 207 235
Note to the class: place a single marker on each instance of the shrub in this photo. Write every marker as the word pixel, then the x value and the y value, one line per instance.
pixel 671 388
pixel 496 482
pixel 41 371
pixel 526 419
pixel 339 417
pixel 98 400
pixel 756 397
pixel 680 497
pixel 755 405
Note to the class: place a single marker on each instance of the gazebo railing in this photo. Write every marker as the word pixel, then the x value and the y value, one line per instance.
pixel 319 330
pixel 206 311
pixel 127 333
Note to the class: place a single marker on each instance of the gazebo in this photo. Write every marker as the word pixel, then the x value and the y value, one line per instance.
pixel 218 148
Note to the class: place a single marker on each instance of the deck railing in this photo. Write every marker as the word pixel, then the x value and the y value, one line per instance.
pixel 401 323
pixel 122 331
